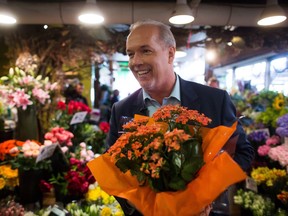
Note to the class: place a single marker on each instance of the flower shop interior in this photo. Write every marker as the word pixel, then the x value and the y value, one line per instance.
pixel 49 131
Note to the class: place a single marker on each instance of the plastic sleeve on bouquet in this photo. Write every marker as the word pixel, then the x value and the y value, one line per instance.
pixel 219 172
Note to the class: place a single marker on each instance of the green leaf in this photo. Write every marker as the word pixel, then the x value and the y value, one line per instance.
pixel 177 184
pixel 190 169
pixel 123 164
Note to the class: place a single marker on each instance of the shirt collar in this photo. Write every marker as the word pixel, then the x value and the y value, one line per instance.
pixel 175 92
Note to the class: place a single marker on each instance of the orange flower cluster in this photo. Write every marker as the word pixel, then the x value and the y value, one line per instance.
pixel 153 146
pixel 180 115
pixel 6 146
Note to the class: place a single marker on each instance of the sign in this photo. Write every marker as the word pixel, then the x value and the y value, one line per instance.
pixel 251 184
pixel 78 117
pixel 46 152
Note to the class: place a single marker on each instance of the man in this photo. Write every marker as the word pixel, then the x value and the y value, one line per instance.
pixel 151 49
pixel 213 82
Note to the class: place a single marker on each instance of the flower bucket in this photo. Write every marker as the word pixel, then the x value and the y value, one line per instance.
pixel 27 124
pixel 29 186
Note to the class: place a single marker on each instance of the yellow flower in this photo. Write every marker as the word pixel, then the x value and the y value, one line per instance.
pixel 106 211
pixel 266 175
pixel 118 213
pixel 7 172
pixel 94 194
pixel 2 183
pixel 278 102
pixel 105 197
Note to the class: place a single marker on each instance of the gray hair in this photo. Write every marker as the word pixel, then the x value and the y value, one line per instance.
pixel 165 33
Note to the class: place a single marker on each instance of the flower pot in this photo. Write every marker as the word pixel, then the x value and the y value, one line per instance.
pixel 29 186
pixel 27 124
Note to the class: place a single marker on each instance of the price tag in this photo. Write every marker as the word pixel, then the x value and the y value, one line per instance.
pixel 95 115
pixel 251 184
pixel 57 211
pixel 78 117
pixel 46 152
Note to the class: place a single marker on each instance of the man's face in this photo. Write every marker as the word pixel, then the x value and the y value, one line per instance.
pixel 149 59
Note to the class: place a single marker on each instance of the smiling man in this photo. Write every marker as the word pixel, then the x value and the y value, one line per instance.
pixel 151 49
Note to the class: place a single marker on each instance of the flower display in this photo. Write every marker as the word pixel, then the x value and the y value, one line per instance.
pixel 257 204
pixel 263 150
pixel 83 153
pixel 92 135
pixel 6 146
pixel 26 155
pixel 22 88
pixel 8 177
pixel 75 181
pixel 282 123
pixel 65 112
pixel 167 154
pixel 279 154
pixel 271 105
pixel 58 135
pixel 97 202
pixel 10 207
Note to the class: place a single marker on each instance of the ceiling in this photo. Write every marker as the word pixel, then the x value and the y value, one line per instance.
pixel 208 12
pixel 212 16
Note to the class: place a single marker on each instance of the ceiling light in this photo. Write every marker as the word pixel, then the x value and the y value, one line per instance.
pixel 6 17
pixel 90 13
pixel 272 14
pixel 182 13
pixel 180 54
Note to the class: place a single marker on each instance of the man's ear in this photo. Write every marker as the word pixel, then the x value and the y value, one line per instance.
pixel 172 51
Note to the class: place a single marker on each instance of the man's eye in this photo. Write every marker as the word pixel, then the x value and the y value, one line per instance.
pixel 147 51
pixel 130 55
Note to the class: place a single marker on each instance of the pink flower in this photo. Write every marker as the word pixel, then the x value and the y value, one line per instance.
pixel 21 99
pixel 83 145
pixel 273 140
pixel 40 95
pixel 263 150
pixel 64 149
pixel 280 154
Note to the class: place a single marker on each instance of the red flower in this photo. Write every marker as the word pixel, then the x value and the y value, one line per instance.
pixel 104 126
pixel 45 186
pixel 61 105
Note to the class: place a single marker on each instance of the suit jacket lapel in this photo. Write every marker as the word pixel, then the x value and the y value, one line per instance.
pixel 141 109
pixel 189 97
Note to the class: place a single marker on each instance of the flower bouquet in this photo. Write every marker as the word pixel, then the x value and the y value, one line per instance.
pixel 167 153
pixel 161 161
pixel 29 93
pixel 22 88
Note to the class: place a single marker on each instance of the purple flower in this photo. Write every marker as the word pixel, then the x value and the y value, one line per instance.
pixel 282 123
pixel 258 136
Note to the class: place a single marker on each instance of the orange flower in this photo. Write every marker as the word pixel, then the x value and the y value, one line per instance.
pixel 6 146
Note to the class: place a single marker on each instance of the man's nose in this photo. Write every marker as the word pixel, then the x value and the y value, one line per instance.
pixel 137 59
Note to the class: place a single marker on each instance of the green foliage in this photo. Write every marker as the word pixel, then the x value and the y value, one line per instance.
pixel 257 204
pixel 25 163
